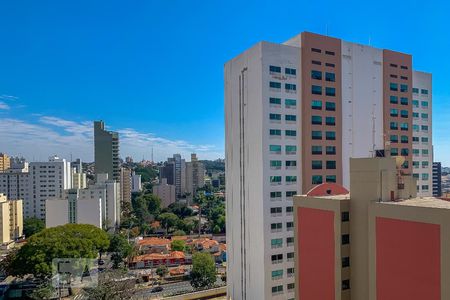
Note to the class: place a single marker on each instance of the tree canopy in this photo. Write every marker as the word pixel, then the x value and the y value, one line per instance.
pixel 32 226
pixel 178 245
pixel 66 241
pixel 120 249
pixel 203 272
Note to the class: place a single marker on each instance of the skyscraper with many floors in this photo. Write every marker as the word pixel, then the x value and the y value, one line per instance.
pixel 106 148
pixel 295 114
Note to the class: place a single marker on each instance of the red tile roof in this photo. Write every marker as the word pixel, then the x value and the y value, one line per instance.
pixel 153 241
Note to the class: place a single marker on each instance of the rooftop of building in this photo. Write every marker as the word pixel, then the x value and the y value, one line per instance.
pixel 430 202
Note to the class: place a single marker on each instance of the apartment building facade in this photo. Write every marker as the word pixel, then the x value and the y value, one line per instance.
pixel 106 151
pixel 5 162
pixel 437 179
pixel 295 115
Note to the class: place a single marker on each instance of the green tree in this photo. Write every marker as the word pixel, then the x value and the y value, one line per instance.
pixel 32 226
pixel 112 285
pixel 44 291
pixel 216 229
pixel 168 220
pixel 162 271
pixel 120 248
pixel 67 241
pixel 179 233
pixel 178 245
pixel 203 272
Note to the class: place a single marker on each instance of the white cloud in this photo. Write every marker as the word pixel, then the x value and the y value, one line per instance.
pixel 51 135
pixel 8 97
pixel 4 106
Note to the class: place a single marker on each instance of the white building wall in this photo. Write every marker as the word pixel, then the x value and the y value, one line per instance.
pixel 57 212
pixel 248 169
pixel 166 192
pixel 89 211
pixel 362 103
pixel 136 183
pixel 422 133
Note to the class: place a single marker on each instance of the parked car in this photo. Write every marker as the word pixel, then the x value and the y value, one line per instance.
pixel 157 289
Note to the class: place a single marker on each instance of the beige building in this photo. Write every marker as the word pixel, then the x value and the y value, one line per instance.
pixel 5 162
pixel 195 175
pixel 125 184
pixel 79 180
pixel 378 242
pixel 11 219
pixel 166 192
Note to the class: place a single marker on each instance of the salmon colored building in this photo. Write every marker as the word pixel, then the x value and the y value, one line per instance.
pixel 378 242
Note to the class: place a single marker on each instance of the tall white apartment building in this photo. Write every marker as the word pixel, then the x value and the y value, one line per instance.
pixel 36 182
pixel 295 114
pixel 422 133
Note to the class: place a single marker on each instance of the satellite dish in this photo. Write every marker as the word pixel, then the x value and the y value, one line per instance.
pixel 399 160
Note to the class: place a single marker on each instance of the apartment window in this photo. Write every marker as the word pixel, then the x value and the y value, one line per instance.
pixel 345 239
pixel 291 163
pixel 404 152
pixel 415 103
pixel 291 149
pixel 316 75
pixel 416 127
pixel 330 65
pixel 290 87
pixel 331 164
pixel 424 140
pixel 290 118
pixel 404 139
pixel 424 164
pixel 277 289
pixel 331 77
pixel 274 69
pixel 290 194
pixel 275 179
pixel 316 90
pixel 275 149
pixel 316 120
pixel 331 150
pixel 278 274
pixel 415 114
pixel 415 90
pixel 290 256
pixel 394 112
pixel 404 101
pixel 404 113
pixel 403 88
pixel 404 67
pixel 276 227
pixel 330 91
pixel 424 128
pixel 330 178
pixel 425 152
pixel 290 103
pixel 404 126
pixel 276 243
pixel 316 164
pixel 290 286
pixel 394 139
pixel 345 262
pixel 277 258
pixel 289 226
pixel 290 71
pixel 276 211
pixel 416 176
pixel 316 135
pixel 345 284
pixel 330 121
pixel 404 77
pixel 316 50
pixel 316 104
pixel 316 150
pixel 415 152
pixel 345 216
pixel 275 101
pixel 394 151
pixel 425 187
pixel 424 104
pixel 424 116
pixel 424 92
pixel 290 272
pixel 425 176
pixel 290 133
pixel 330 135
pixel 275 164
pixel 291 179
pixel 274 195
pixel 316 62
pixel 330 106
pixel 393 99
pixel 275 85
pixel 393 86
pixel 415 139
pixel 289 210
pixel 415 163
pixel 275 117
pixel 275 132
pixel 393 76
pixel 393 65
pixel 317 179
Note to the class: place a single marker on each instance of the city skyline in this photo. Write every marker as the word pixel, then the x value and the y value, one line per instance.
pixel 105 68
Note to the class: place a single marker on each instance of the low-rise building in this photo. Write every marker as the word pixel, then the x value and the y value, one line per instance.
pixel 174 258
pixel 154 245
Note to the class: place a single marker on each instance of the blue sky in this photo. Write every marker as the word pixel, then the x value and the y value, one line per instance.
pixel 153 70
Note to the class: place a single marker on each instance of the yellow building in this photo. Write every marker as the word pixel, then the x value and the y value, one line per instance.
pixel 5 162
pixel 11 219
